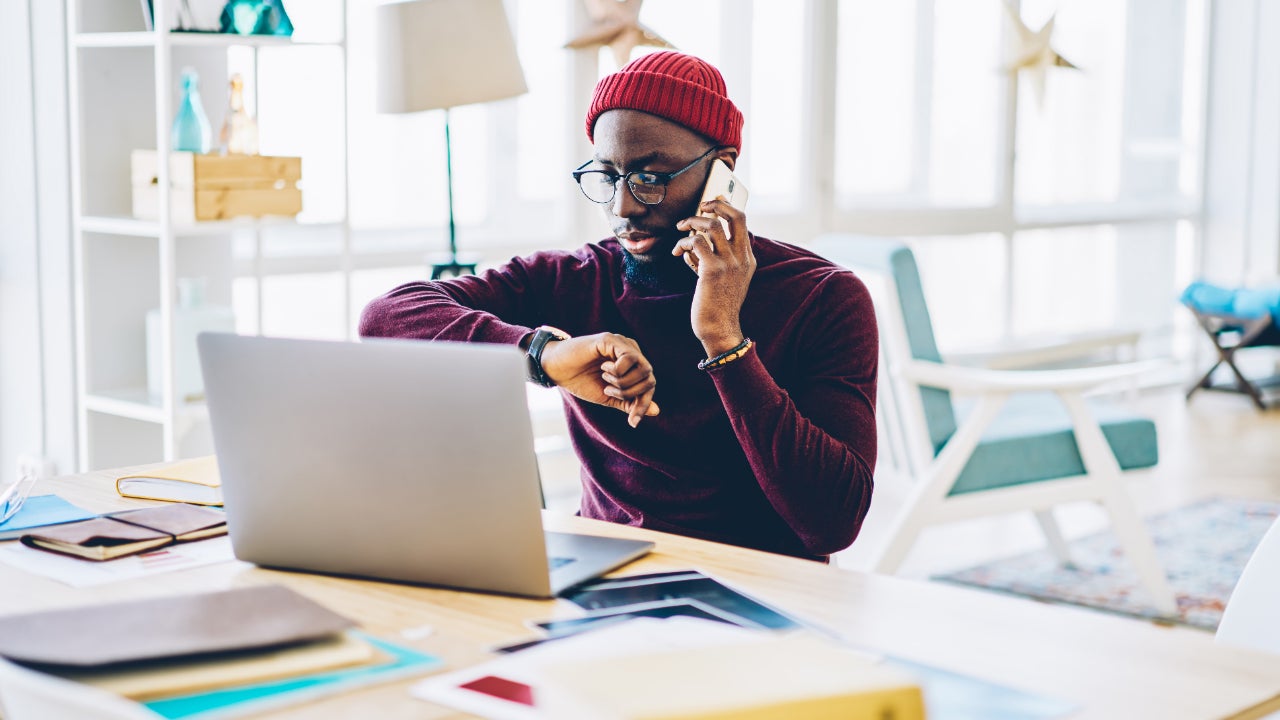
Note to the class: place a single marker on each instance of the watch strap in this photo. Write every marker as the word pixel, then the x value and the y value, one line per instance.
pixel 533 356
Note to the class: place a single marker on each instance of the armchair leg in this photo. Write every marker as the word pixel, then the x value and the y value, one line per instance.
pixel 1101 463
pixel 1140 550
pixel 1053 534
pixel 906 528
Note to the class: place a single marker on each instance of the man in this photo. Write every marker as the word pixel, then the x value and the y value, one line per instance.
pixel 716 384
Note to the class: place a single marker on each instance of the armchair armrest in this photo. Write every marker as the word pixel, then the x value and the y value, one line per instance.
pixel 980 380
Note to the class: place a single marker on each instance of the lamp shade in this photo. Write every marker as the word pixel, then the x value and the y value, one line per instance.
pixel 435 54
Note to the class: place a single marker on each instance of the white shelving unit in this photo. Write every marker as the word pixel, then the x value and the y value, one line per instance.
pixel 123 96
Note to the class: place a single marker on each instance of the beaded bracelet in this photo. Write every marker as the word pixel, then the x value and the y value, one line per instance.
pixel 727 356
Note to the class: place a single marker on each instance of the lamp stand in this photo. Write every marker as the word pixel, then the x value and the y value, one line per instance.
pixel 452 267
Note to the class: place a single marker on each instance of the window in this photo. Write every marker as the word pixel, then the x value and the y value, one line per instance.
pixel 1125 127
pixel 918 102
pixel 1028 216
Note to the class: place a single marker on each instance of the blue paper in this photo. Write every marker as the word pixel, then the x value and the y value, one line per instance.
pixel 40 510
pixel 233 701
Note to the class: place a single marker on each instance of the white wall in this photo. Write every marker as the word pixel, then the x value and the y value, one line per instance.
pixel 37 391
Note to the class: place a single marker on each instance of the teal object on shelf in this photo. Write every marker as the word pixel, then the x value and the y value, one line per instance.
pixel 256 17
pixel 191 131
pixel 281 24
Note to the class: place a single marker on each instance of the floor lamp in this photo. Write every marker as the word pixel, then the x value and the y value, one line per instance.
pixel 440 54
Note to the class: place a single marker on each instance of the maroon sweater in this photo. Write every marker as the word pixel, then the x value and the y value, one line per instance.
pixel 773 451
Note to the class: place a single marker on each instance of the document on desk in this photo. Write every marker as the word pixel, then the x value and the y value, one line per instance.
pixel 681 585
pixel 41 511
pixel 691 668
pixel 84 573
pixel 506 688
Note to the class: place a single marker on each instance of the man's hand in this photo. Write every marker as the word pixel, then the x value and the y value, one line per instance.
pixel 605 369
pixel 725 264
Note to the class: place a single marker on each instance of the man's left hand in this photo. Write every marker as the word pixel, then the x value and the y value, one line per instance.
pixel 724 264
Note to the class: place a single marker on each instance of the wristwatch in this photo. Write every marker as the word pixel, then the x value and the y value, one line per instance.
pixel 533 356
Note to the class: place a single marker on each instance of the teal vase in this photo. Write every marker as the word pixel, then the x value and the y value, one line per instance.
pixel 191 131
pixel 246 17
pixel 280 22
pixel 256 17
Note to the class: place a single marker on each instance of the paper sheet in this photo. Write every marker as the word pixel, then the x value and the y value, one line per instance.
pixel 638 635
pixel 41 510
pixel 85 573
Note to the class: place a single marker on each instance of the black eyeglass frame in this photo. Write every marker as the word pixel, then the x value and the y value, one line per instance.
pixel 662 179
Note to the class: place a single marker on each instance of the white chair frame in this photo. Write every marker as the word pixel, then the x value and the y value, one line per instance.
pixel 928 503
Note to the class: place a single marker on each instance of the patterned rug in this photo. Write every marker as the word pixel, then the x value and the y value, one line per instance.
pixel 1204 548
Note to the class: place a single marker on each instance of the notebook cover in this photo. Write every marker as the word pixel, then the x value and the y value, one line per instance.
pixel 180 520
pixel 97 539
pixel 167 627
pixel 129 532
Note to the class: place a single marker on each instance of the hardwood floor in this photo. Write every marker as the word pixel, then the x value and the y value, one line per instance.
pixel 1216 444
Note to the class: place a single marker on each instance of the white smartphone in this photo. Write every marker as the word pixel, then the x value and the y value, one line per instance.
pixel 722 182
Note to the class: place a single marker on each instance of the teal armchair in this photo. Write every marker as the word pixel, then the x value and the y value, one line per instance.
pixel 1030 442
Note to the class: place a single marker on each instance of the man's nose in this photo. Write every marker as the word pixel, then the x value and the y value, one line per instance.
pixel 624 203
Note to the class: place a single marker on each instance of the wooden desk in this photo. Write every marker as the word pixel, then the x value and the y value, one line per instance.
pixel 1112 667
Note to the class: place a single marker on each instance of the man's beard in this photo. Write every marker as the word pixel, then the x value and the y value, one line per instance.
pixel 658 272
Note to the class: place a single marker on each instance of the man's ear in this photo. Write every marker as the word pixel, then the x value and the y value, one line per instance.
pixel 729 156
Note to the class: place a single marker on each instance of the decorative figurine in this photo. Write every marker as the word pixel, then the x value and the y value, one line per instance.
pixel 191 131
pixel 239 134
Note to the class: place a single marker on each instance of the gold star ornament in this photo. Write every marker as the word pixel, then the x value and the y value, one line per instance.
pixel 616 23
pixel 1034 52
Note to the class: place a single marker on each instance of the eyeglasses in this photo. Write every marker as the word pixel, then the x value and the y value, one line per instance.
pixel 12 497
pixel 646 187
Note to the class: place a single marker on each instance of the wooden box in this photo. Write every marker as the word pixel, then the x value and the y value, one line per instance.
pixel 217 187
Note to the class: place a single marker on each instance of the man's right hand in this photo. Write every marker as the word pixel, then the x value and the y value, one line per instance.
pixel 605 369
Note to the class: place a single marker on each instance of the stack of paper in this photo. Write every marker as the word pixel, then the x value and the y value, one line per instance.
pixel 680 668
pixel 186 655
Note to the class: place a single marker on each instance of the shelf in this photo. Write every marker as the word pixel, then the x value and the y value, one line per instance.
pixel 115 39
pixel 125 267
pixel 136 404
pixel 121 225
pixel 146 38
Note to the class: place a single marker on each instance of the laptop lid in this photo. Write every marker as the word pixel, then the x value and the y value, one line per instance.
pixel 399 460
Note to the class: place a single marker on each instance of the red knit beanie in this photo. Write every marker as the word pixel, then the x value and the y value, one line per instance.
pixel 681 88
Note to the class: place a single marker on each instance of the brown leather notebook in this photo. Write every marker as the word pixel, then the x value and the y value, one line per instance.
pixel 129 532
pixel 94 636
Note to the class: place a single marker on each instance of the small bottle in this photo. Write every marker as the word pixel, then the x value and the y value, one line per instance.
pixel 239 134
pixel 191 131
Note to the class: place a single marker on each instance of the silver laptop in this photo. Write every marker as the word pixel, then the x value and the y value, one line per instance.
pixel 392 459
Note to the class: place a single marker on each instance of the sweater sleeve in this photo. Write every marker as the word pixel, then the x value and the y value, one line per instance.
pixel 501 305
pixel 812 447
